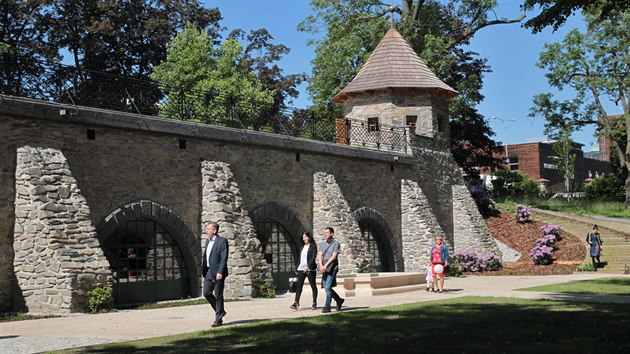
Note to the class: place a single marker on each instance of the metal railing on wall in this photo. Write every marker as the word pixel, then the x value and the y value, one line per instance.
pixel 39 80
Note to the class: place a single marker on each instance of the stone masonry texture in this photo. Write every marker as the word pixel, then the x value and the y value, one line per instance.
pixel 130 164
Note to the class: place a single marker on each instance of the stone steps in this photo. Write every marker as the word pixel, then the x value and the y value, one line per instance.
pixel 616 243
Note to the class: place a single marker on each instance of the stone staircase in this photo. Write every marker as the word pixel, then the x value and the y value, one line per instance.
pixel 615 236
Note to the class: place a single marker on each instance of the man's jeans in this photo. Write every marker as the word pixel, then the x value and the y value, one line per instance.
pixel 327 280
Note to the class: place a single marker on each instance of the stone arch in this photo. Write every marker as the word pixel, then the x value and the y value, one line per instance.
pixel 281 214
pixel 170 221
pixel 377 220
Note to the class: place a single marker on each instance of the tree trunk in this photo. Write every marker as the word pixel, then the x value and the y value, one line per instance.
pixel 628 190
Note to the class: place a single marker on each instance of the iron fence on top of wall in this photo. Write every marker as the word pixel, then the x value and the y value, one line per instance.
pixel 39 80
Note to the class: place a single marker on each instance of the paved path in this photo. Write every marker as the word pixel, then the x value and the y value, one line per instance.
pixel 81 330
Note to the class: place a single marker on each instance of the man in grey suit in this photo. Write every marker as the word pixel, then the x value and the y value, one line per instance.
pixel 214 270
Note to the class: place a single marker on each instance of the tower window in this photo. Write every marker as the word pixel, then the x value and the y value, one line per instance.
pixel 373 125
pixel 411 120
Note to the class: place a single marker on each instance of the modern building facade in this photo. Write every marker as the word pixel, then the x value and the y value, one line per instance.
pixel 539 161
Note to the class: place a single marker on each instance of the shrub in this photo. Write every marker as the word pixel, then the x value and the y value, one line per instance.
pixel 510 184
pixel 584 267
pixel 542 255
pixel 492 261
pixel 267 289
pixel 552 230
pixel 99 299
pixel 547 240
pixel 523 213
pixel 484 204
pixel 606 188
pixel 468 261
pixel 453 269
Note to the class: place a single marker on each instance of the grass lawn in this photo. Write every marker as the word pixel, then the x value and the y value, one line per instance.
pixel 468 324
pixel 578 206
pixel 606 286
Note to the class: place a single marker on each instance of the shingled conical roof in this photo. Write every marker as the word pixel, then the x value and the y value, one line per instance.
pixel 394 64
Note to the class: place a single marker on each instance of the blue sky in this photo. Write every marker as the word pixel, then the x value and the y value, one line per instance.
pixel 512 53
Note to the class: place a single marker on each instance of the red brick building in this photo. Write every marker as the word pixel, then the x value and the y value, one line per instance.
pixel 538 161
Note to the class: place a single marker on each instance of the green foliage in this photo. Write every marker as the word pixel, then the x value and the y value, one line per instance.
pixel 565 162
pixel 584 267
pixel 454 269
pixel 514 184
pixel 590 65
pixel 266 289
pixel 575 206
pixel 480 324
pixel 100 299
pixel 555 13
pixel 606 188
pixel 213 85
pixel 438 31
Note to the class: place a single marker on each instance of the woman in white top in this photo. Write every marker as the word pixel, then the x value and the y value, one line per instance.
pixel 307 268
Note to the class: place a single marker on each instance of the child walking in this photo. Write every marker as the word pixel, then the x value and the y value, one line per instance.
pixel 429 279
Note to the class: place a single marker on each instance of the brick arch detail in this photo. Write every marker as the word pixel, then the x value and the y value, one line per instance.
pixel 378 221
pixel 170 221
pixel 282 215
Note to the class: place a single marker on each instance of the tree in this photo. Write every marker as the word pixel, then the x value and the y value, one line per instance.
pixel 25 45
pixel 262 56
pixel 596 66
pixel 555 13
pixel 437 31
pixel 210 85
pixel 125 37
pixel 565 158
pixel 119 37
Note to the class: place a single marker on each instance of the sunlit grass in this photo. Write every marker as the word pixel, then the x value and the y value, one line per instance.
pixel 469 324
pixel 607 286
pixel 576 206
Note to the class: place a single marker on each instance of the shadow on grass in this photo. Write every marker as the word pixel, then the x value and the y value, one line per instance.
pixel 471 325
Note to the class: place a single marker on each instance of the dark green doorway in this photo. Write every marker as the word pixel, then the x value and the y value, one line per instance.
pixel 146 264
pixel 377 257
pixel 279 251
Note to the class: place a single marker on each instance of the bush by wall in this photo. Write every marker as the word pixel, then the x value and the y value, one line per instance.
pixel 469 261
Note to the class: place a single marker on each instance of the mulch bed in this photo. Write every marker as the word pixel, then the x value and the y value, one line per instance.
pixel 522 237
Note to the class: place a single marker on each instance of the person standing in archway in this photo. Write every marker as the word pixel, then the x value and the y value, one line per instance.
pixel 214 270
pixel 307 269
pixel 329 265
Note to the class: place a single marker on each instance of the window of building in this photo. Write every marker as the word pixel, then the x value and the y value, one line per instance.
pixel 373 125
pixel 550 166
pixel 513 163
pixel 411 120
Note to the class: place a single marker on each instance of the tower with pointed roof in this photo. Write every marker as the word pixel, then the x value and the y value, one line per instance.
pixel 396 88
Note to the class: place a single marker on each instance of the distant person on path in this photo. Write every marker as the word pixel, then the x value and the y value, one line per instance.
pixel 595 241
pixel 307 269
pixel 439 255
pixel 214 270
pixel 328 265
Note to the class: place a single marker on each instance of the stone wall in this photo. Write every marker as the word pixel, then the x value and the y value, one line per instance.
pixel 58 258
pixel 330 209
pixel 222 203
pixel 123 161
pixel 419 227
pixel 471 232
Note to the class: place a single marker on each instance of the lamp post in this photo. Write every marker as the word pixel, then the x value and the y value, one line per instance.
pixel 507 159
